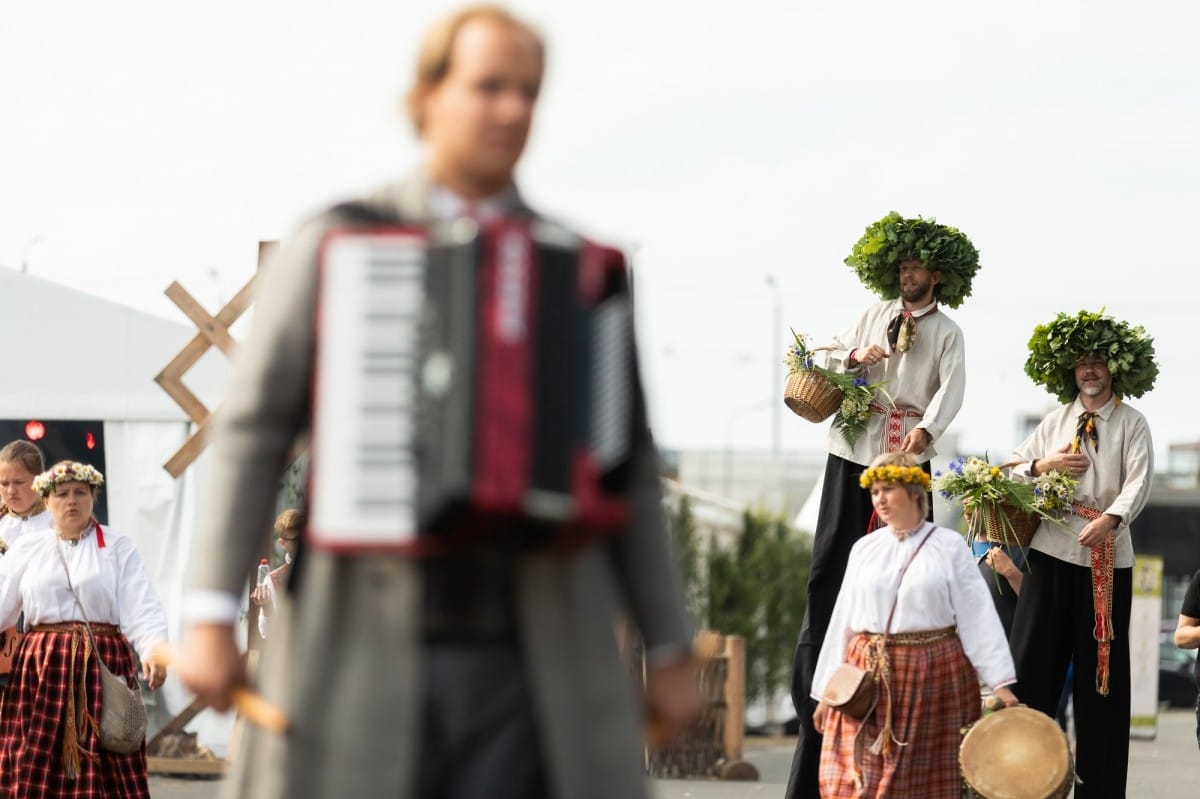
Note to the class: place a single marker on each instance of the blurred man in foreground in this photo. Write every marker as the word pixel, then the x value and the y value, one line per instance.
pixel 488 671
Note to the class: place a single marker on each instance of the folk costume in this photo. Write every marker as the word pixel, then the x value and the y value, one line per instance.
pixel 923 384
pixel 1075 600
pixel 942 636
pixel 496 668
pixel 48 744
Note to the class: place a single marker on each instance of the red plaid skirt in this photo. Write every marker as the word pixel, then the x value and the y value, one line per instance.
pixel 935 694
pixel 34 718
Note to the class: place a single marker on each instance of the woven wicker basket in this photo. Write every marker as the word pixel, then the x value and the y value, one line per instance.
pixel 810 394
pixel 1004 523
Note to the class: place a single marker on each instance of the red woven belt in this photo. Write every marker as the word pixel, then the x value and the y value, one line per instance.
pixel 1102 582
pixel 893 427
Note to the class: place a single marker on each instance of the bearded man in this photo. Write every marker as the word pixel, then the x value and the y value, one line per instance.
pixel 1078 590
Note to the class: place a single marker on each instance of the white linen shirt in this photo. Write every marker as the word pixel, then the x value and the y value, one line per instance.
pixel 942 588
pixel 13 528
pixel 929 378
pixel 1117 480
pixel 111 581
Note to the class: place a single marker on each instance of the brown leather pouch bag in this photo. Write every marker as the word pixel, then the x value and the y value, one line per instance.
pixel 851 690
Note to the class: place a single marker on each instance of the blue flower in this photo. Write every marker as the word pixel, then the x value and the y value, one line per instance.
pixel 859 380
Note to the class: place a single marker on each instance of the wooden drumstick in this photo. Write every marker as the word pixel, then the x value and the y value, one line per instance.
pixel 253 707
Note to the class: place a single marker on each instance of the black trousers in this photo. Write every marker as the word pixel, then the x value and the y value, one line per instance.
pixel 1052 625
pixel 479 739
pixel 842 519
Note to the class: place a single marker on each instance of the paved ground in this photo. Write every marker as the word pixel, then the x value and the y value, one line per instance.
pixel 1167 767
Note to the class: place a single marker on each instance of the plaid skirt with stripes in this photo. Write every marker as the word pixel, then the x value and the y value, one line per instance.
pixel 935 694
pixel 34 721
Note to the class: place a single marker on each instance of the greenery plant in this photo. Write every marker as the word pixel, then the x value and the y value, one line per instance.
pixel 752 586
pixel 1055 348
pixel 876 256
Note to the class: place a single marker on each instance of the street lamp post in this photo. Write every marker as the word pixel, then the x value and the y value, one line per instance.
pixel 776 360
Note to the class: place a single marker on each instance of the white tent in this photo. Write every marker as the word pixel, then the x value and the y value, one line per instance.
pixel 73 356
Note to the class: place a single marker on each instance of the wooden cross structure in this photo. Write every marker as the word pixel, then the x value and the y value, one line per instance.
pixel 212 331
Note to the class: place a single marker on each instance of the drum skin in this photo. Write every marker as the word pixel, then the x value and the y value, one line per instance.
pixel 1016 753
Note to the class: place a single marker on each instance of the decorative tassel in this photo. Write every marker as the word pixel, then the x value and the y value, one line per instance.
pixel 1102 668
pixel 78 718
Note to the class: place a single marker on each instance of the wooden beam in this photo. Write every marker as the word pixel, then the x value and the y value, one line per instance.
pixel 188 451
pixel 199 767
pixel 196 410
pixel 735 697
pixel 209 326
pixel 177 724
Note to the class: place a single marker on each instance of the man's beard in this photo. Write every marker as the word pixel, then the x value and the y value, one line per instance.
pixel 915 293
pixel 1093 388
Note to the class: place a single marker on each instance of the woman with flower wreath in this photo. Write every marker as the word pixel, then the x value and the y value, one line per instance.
pixel 48 729
pixel 1077 594
pixel 918 584
pixel 915 353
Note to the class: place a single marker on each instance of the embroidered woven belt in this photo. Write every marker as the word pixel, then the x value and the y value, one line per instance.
pixel 918 638
pixel 892 438
pixel 77 627
pixel 1103 557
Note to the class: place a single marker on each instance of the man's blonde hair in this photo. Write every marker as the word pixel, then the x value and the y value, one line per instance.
pixel 433 59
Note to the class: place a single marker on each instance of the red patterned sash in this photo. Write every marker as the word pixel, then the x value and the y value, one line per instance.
pixel 1102 582
pixel 893 425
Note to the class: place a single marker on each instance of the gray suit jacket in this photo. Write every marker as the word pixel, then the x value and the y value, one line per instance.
pixel 345 660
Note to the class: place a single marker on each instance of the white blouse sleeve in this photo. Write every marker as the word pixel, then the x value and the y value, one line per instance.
pixel 141 613
pixel 837 635
pixel 12 568
pixel 979 627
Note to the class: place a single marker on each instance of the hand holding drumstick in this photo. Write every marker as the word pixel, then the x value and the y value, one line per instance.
pixel 211 667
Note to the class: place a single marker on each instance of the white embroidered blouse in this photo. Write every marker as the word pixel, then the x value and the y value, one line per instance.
pixel 111 582
pixel 942 588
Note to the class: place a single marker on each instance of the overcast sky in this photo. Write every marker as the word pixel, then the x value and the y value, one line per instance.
pixel 145 142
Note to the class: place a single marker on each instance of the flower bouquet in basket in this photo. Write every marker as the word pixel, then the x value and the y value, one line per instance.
pixel 999 509
pixel 816 393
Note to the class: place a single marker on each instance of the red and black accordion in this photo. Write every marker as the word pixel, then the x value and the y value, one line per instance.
pixel 471 383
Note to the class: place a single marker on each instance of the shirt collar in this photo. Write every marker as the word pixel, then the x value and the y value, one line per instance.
pixel 445 205
pixel 1105 410
pixel 928 309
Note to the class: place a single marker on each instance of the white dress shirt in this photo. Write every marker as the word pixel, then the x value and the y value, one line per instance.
pixel 929 378
pixel 942 588
pixel 1117 480
pixel 111 582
